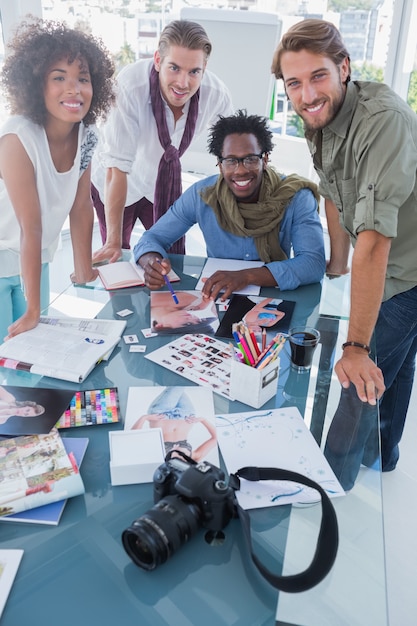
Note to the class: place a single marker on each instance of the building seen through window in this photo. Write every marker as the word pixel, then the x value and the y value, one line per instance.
pixel 131 29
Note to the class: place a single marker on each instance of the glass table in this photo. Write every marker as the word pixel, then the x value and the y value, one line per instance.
pixel 79 572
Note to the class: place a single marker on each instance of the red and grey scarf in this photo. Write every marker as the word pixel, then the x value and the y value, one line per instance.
pixel 168 187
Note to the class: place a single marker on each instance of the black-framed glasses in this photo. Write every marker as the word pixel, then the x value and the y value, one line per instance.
pixel 250 162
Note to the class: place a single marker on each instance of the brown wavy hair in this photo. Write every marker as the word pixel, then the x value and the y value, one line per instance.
pixel 185 34
pixel 314 35
pixel 36 45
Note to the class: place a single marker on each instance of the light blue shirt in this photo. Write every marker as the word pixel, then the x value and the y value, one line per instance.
pixel 300 236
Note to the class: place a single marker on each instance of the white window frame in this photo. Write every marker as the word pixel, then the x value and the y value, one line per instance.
pixel 401 51
pixel 402 47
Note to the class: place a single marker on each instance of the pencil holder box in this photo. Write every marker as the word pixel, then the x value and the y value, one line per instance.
pixel 253 386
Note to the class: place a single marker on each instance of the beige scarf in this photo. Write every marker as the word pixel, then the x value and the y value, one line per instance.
pixel 260 220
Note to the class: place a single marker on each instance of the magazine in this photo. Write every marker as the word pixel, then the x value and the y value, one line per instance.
pixel 192 313
pixel 66 348
pixel 36 470
pixel 51 513
pixel 124 274
pixel 271 313
pixel 31 410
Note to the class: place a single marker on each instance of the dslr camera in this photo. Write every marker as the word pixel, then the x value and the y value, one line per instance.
pixel 188 496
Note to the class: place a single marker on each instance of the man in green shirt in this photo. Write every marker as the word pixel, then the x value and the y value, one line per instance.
pixel 363 140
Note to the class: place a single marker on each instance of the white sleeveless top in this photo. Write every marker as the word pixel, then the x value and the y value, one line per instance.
pixel 56 190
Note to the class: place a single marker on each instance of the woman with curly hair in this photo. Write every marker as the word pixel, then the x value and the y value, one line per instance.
pixel 59 82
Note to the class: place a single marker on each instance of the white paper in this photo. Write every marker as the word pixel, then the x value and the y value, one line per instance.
pixel 274 438
pixel 200 358
pixel 197 425
pixel 9 564
pixel 230 265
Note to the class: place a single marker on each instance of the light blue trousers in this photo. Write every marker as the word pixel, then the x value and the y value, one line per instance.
pixel 174 403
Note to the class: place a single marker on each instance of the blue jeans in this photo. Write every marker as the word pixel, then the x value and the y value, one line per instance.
pixel 13 301
pixel 396 348
pixel 174 403
pixel 353 434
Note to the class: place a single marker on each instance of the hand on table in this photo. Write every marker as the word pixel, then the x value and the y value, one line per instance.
pixel 26 322
pixel 82 279
pixel 107 254
pixel 224 281
pixel 356 367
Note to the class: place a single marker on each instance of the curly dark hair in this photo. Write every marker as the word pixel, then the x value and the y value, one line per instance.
pixel 36 45
pixel 240 123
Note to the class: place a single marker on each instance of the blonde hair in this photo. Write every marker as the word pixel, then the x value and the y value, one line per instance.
pixel 185 34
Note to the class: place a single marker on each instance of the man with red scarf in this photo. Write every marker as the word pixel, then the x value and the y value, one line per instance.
pixel 162 104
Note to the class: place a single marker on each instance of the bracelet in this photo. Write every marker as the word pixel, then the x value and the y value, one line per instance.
pixel 356 344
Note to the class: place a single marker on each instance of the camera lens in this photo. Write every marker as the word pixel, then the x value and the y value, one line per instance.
pixel 157 535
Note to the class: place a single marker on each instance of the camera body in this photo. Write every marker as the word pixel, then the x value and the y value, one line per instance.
pixel 187 496
pixel 202 484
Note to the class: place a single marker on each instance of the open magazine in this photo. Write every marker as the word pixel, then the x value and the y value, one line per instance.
pixel 36 470
pixel 51 513
pixel 67 348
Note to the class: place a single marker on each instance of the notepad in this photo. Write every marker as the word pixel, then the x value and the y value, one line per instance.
pixel 124 274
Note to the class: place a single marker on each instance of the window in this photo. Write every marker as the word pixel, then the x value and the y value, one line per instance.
pixel 379 35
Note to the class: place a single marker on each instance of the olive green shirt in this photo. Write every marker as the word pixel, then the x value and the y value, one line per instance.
pixel 366 159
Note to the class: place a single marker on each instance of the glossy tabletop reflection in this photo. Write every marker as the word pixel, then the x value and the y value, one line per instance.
pixel 79 573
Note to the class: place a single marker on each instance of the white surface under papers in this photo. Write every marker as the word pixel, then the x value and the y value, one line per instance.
pixel 9 563
pixel 230 265
pixel 274 438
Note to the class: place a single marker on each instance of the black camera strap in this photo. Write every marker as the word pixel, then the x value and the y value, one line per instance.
pixel 327 541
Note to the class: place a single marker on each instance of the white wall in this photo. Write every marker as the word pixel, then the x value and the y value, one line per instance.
pixel 243 45
pixel 12 12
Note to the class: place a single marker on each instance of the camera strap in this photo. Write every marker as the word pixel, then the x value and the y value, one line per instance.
pixel 327 541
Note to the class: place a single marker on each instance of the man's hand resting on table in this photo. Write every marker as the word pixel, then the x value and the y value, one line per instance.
pixel 356 367
pixel 229 282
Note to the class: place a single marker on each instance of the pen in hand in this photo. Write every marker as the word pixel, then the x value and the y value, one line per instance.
pixel 168 284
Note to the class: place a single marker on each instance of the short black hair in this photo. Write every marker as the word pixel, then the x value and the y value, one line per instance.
pixel 36 45
pixel 242 124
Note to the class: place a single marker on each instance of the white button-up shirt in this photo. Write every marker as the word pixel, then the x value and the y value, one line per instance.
pixel 129 139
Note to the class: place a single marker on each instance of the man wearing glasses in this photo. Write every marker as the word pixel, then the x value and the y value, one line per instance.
pixel 247 212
